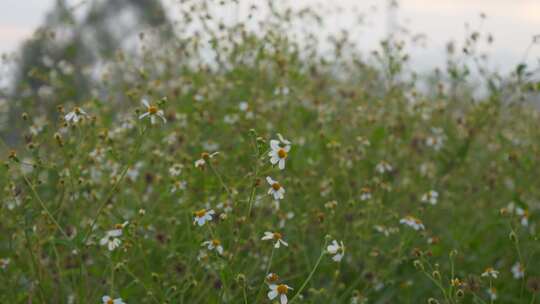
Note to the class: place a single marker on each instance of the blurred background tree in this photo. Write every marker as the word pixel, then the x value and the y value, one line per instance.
pixel 56 66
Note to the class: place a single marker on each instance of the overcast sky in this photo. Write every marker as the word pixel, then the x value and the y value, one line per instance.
pixel 512 22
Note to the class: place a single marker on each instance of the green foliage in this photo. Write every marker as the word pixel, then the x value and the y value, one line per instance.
pixel 426 190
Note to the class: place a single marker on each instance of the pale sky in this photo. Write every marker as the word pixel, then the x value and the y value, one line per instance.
pixel 512 22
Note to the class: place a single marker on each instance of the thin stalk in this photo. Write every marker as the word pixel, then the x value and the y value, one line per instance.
pixel 216 173
pixel 323 252
pixel 112 190
pixel 43 206
pixel 254 185
pixel 265 274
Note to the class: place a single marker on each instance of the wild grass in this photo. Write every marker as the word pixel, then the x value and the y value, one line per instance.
pixel 431 195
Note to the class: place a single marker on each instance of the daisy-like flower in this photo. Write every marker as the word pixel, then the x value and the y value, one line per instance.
pixel 279 151
pixel 524 215
pixel 175 170
pixel 205 156
pixel 202 216
pixel 122 225
pixel 456 282
pixel 518 271
pixel 430 197
pixel 436 141
pixel 365 194
pixel 109 300
pixel 337 250
pixel 272 277
pixel 279 290
pixel 152 111
pixel 412 222
pixel 385 230
pixel 276 236
pixel 383 167
pixel 4 263
pixel 214 245
pixel 490 272
pixel 111 239
pixel 76 115
pixel 276 189
pixel 492 293
pixel 178 185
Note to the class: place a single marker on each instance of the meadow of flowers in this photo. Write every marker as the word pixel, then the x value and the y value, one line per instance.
pixel 243 164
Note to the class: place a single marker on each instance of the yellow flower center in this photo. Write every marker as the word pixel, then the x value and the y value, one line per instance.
pixel 282 153
pixel 205 155
pixel 200 213
pixel 118 226
pixel 110 301
pixel 77 111
pixel 277 236
pixel 276 186
pixel 152 109
pixel 216 242
pixel 282 289
pixel 273 277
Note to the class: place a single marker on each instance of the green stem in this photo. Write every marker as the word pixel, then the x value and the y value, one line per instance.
pixel 265 274
pixel 112 190
pixel 254 186
pixel 34 264
pixel 148 291
pixel 323 252
pixel 44 207
pixel 244 293
pixel 219 178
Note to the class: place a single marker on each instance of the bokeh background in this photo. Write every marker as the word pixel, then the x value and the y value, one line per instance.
pixel 513 23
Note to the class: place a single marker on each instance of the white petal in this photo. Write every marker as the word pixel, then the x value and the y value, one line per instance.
pixel 281 164
pixel 283 140
pixel 103 241
pixel 272 294
pixel 337 257
pixel 144 115
pixel 274 144
pixel 270 180
pixel 115 232
pixel 145 103
pixel 283 299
